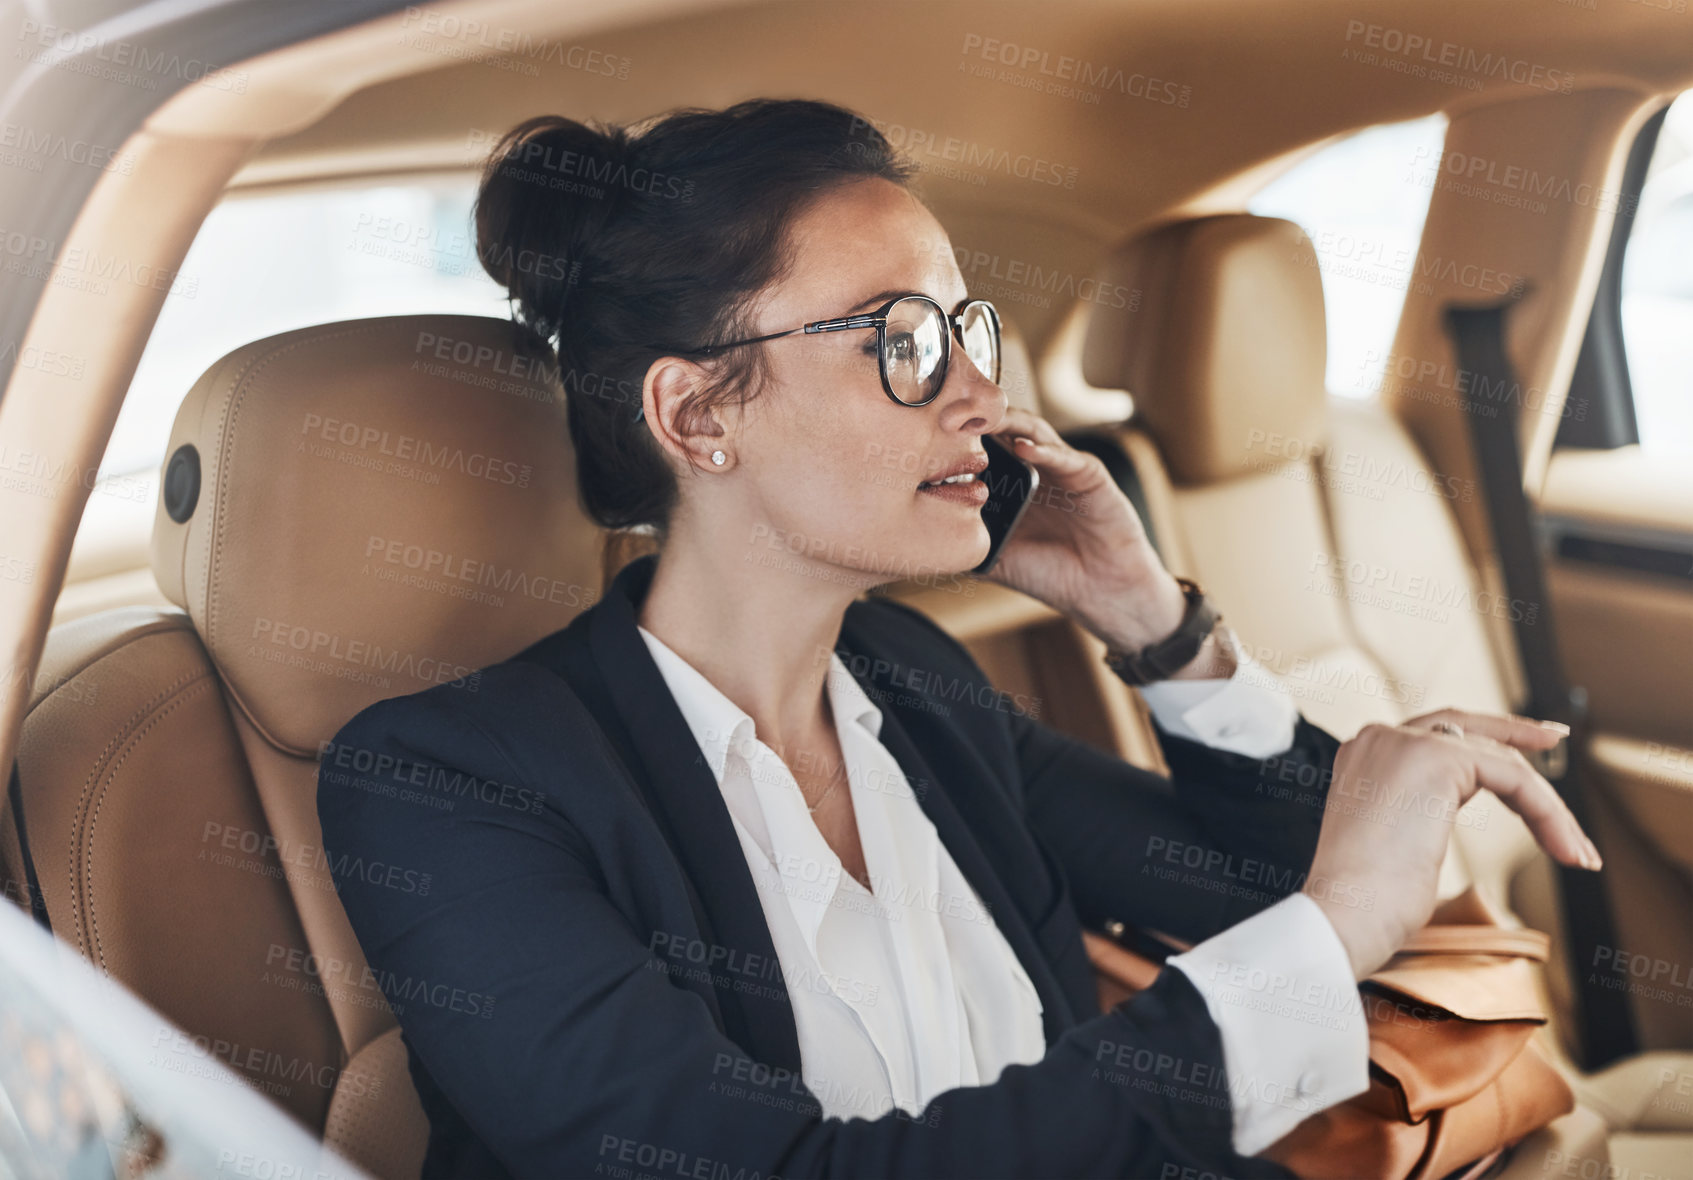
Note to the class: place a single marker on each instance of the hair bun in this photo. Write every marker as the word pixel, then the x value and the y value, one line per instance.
pixel 550 190
pixel 618 248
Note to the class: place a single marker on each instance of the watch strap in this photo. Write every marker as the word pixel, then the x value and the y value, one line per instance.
pixel 1158 661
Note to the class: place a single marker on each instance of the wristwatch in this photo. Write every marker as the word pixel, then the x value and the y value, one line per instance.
pixel 1158 661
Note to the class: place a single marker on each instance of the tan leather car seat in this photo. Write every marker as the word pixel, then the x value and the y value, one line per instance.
pixel 1331 546
pixel 349 512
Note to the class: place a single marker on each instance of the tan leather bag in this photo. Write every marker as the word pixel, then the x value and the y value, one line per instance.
pixel 1454 1075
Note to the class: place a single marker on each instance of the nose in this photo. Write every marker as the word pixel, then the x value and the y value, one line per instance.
pixel 969 402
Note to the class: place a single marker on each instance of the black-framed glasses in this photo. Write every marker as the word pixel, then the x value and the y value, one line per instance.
pixel 914 337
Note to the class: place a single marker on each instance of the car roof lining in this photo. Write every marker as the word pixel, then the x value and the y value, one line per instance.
pixel 1264 84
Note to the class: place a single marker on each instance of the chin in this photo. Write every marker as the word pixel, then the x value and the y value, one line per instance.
pixel 925 550
pixel 949 558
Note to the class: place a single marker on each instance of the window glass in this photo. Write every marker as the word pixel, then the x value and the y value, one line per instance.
pixel 1362 201
pixel 289 258
pixel 1657 290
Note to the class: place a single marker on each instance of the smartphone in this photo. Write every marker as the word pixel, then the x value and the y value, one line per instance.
pixel 1011 485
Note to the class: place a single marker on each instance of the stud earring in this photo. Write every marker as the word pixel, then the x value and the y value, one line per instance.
pixel 717 457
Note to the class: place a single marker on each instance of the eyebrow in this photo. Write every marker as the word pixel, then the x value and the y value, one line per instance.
pixel 882 297
pixel 878 299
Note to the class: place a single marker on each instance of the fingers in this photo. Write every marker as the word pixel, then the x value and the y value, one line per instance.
pixel 1018 421
pixel 1503 770
pixel 1051 455
pixel 1525 733
pixel 1035 440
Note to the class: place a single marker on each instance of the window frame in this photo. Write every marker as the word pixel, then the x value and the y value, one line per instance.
pixel 1601 377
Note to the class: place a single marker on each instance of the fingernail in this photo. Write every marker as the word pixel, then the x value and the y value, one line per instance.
pixel 1028 442
pixel 1596 861
pixel 1555 727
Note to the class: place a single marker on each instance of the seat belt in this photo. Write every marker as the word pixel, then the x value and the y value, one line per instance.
pixel 37 902
pixel 1605 1018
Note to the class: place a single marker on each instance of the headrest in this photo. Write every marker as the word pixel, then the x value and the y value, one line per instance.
pixel 361 510
pixel 1016 370
pixel 1223 346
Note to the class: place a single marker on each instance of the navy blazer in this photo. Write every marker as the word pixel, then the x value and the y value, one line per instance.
pixel 586 982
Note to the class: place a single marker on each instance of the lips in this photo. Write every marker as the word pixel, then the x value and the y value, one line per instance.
pixel 965 477
pixel 961 483
pixel 962 472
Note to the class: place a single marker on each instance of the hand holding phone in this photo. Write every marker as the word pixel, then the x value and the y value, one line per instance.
pixel 1011 485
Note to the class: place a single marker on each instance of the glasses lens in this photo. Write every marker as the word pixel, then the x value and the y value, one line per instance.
pixel 915 349
pixel 980 325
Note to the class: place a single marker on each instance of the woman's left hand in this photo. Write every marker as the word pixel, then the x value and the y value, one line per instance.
pixel 1081 547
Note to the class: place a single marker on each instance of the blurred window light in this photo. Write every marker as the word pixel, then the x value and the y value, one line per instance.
pixel 1657 290
pixel 279 259
pixel 1362 201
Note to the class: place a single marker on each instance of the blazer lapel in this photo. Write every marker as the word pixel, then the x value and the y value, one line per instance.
pixel 643 722
pixel 689 807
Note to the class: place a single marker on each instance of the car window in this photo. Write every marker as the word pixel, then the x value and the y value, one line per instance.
pixel 288 258
pixel 1362 201
pixel 1657 290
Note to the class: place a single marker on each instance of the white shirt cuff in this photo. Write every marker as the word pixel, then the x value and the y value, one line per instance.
pixel 1244 713
pixel 1279 987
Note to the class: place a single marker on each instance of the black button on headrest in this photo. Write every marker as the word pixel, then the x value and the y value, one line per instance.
pixel 182 483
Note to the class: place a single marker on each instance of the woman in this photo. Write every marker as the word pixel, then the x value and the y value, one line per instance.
pixel 774 883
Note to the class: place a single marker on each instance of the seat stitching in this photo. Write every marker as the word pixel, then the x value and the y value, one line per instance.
pixel 169 621
pixel 110 777
pixel 77 892
pixel 237 398
pixel 240 377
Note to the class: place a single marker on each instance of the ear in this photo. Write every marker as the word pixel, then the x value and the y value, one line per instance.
pixel 687 433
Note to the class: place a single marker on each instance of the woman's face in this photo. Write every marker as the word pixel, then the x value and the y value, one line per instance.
pixel 827 467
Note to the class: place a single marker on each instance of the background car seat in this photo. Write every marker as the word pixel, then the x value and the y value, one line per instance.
pixel 1331 545
pixel 349 512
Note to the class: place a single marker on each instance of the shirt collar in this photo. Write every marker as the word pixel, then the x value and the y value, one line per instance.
pixel 718 723
pixel 847 697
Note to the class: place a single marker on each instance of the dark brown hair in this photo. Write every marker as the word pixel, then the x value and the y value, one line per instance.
pixel 619 246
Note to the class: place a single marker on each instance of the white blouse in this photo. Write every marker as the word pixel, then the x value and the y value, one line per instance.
pixel 909 990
